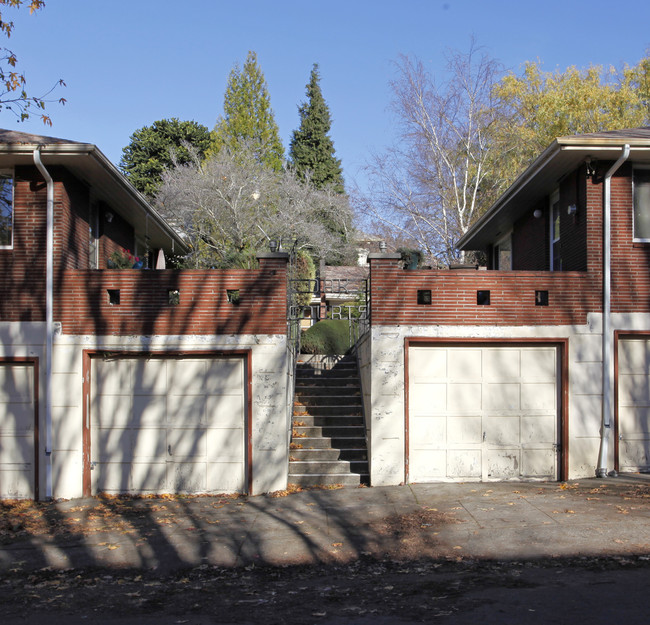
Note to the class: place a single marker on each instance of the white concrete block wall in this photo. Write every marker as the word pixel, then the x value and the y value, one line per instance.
pixel 364 354
pixel 387 412
pixel 269 418
pixel 387 408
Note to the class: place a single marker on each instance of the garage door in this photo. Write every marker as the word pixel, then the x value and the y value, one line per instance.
pixel 17 423
pixel 483 413
pixel 167 425
pixel 634 405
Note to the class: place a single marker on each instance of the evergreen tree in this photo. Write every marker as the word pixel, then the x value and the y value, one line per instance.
pixel 312 150
pixel 248 117
pixel 151 149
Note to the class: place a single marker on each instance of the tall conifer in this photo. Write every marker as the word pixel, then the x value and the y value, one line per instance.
pixel 312 150
pixel 248 117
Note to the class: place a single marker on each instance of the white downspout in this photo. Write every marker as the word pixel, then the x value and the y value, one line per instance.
pixel 49 320
pixel 608 337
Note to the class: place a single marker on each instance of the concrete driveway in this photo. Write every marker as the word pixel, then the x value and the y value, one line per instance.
pixel 513 520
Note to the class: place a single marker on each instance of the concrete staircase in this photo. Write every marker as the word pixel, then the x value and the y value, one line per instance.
pixel 329 437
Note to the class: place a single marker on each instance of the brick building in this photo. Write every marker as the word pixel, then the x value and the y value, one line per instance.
pixel 536 368
pixel 136 380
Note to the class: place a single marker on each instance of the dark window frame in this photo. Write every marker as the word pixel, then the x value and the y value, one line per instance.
pixel 7 205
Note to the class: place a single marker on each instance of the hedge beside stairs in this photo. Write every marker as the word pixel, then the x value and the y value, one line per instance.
pixel 329 337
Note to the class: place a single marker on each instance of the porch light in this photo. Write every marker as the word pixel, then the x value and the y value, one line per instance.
pixel 591 167
pixel 273 245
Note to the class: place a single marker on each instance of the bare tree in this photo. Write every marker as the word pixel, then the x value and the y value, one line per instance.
pixel 434 183
pixel 231 205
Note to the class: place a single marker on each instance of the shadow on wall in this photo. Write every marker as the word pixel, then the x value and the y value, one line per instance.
pixel 174 424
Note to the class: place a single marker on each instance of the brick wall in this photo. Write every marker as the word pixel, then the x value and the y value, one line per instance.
pixel 394 292
pixel 22 269
pixel 83 304
pixel 630 261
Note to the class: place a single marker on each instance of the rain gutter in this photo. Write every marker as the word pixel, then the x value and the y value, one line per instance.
pixel 608 338
pixel 49 317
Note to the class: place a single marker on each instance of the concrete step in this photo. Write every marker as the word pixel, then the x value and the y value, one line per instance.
pixel 328 411
pixel 310 398
pixel 324 442
pixel 350 479
pixel 326 421
pixel 327 467
pixel 321 467
pixel 326 382
pixel 358 454
pixel 331 390
pixel 328 431
pixel 342 365
pixel 320 362
pixel 344 370
pixel 329 437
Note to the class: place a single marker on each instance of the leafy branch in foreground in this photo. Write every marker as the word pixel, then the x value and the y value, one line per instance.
pixel 13 84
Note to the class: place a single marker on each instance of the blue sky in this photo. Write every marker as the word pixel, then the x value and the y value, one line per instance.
pixel 130 63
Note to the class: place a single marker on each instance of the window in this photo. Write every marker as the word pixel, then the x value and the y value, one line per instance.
pixel 556 257
pixel 93 236
pixel 541 298
pixel 503 254
pixel 641 211
pixel 6 209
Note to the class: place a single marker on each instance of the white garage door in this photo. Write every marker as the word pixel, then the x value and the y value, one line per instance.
pixel 167 425
pixel 634 405
pixel 483 413
pixel 17 424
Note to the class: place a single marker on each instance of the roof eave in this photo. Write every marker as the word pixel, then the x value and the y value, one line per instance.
pixel 92 151
pixel 570 149
pixel 522 180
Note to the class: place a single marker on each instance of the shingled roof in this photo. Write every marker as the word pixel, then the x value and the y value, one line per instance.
pixel 13 137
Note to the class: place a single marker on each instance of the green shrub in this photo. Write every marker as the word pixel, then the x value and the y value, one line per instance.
pixel 304 270
pixel 329 336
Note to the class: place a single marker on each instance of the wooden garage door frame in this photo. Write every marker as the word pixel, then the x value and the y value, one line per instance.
pixel 34 363
pixel 562 346
pixel 621 335
pixel 89 354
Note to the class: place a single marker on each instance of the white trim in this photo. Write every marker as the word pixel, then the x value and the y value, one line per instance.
pixel 637 239
pixel 554 198
pixel 496 252
pixel 10 174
